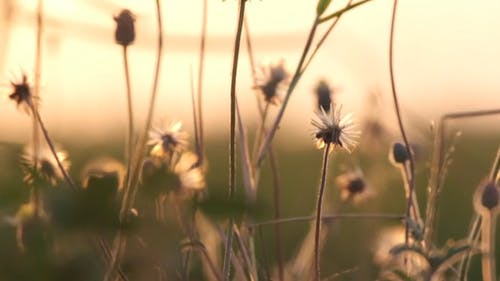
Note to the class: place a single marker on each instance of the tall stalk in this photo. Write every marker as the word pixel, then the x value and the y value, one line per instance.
pixel 319 206
pixel 411 174
pixel 129 142
pixel 232 141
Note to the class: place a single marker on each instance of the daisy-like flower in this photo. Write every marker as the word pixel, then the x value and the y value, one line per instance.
pixel 45 165
pixel 165 142
pixel 190 176
pixel 334 129
pixel 273 79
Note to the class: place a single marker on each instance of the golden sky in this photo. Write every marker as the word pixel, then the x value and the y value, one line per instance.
pixel 447 58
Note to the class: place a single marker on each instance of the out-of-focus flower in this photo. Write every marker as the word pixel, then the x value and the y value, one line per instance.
pixel 101 169
pixel 44 165
pixel 125 29
pixel 352 185
pixel 272 81
pixel 333 129
pixel 190 176
pixel 323 94
pixel 165 142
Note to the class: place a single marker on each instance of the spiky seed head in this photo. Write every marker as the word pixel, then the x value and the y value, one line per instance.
pixel 125 28
pixel 334 129
pixel 272 80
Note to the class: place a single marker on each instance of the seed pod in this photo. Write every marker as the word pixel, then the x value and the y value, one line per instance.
pixel 489 197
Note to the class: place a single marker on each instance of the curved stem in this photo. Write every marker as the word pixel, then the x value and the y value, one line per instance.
pixel 200 83
pixel 319 206
pixel 411 181
pixel 232 145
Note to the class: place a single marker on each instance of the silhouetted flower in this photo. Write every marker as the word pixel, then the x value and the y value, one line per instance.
pixel 335 130
pixel 323 96
pixel 165 142
pixel 125 30
pixel 22 94
pixel 272 81
pixel 45 165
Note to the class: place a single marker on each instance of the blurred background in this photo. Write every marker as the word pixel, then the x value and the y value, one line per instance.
pixel 447 56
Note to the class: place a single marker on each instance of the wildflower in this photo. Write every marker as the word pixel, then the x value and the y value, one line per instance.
pixel 22 94
pixel 323 95
pixel 165 142
pixel 352 185
pixel 44 165
pixel 125 30
pixel 274 78
pixel 333 129
pixel 398 154
pixel 190 175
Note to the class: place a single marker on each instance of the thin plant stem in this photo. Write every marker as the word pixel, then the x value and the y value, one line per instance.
pixel 36 89
pixel 200 82
pixel 195 119
pixel 488 228
pixel 119 243
pixel 52 148
pixel 415 207
pixel 437 164
pixel 260 131
pixel 277 211
pixel 340 12
pixel 232 145
pixel 332 217
pixel 474 234
pixel 246 256
pixel 129 143
pixel 323 39
pixel 411 180
pixel 319 206
pixel 272 160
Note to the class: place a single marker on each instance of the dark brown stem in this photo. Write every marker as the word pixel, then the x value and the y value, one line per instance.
pixel 411 177
pixel 129 142
pixel 232 145
pixel 52 148
pixel 200 83
pixel 319 206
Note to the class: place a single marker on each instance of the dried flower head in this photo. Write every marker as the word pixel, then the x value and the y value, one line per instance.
pixel 323 95
pixel 333 129
pixel 190 176
pixel 166 142
pixel 272 80
pixel 125 29
pixel 44 165
pixel 486 197
pixel 352 185
pixel 22 94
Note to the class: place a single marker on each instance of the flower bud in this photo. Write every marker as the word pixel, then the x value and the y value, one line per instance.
pixel 125 30
pixel 489 197
pixel 323 95
pixel 398 153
